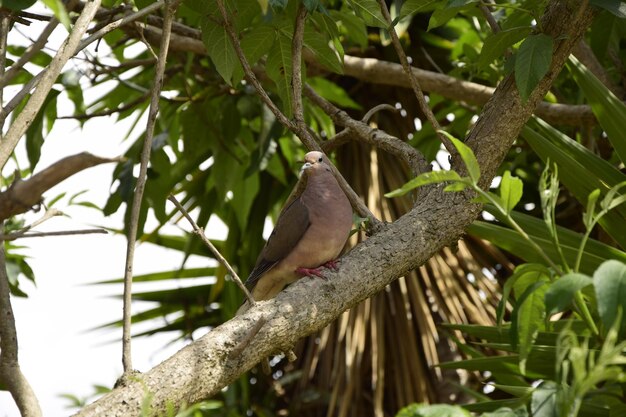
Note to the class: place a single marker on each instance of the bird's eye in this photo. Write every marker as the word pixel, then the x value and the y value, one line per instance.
pixel 320 160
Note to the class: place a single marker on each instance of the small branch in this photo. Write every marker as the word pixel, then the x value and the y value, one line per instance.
pixel 109 112
pixel 46 216
pixel 371 112
pixel 170 10
pixel 10 374
pixel 4 32
pixel 14 236
pixel 29 53
pixel 22 195
pixel 32 107
pixel 416 161
pixel 493 24
pixel 419 94
pixel 302 133
pixel 200 232
pixel 296 67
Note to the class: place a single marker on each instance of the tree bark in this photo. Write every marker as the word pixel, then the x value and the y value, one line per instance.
pixel 204 367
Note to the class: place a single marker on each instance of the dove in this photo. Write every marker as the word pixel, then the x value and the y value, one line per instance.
pixel 310 232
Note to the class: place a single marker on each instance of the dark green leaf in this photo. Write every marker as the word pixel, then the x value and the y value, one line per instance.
pixel 369 11
pixel 279 69
pixel 495 45
pixel 257 42
pixel 418 6
pixel 219 48
pixel 354 28
pixel 532 63
pixel 616 7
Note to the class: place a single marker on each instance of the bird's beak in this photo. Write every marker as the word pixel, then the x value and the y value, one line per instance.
pixel 304 167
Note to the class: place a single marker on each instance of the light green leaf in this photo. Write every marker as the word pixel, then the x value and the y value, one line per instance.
pixel 58 8
pixel 433 410
pixel 496 44
pixel 511 189
pixel 244 193
pixel 561 292
pixel 369 11
pixel 468 157
pixel 219 48
pixel 543 401
pixel 333 93
pixel 610 111
pixel 591 208
pixel 520 271
pixel 610 285
pixel 425 179
pixel 532 63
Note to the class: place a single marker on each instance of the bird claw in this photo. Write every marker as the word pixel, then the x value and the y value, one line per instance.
pixel 316 272
pixel 311 272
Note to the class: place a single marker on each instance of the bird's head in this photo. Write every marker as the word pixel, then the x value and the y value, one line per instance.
pixel 314 162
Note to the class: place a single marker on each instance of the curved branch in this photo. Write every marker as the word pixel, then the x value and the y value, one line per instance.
pixel 21 196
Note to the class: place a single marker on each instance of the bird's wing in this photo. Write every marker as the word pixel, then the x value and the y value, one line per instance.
pixel 290 227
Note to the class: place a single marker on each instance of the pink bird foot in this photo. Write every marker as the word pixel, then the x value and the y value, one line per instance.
pixel 333 265
pixel 311 272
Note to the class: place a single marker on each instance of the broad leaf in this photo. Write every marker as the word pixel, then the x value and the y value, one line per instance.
pixel 369 11
pixel 561 292
pixel 495 45
pixel 610 284
pixel 425 179
pixel 532 63
pixel 511 189
pixel 219 48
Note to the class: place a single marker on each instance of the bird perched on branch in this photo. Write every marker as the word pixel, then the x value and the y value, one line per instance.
pixel 310 232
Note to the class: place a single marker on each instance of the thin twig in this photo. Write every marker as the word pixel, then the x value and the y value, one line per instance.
pixel 14 236
pixel 10 373
pixel 493 24
pixel 371 112
pixel 302 133
pixel 419 94
pixel 200 232
pixel 29 53
pixel 4 32
pixel 296 67
pixel 246 340
pixel 416 161
pixel 129 105
pixel 46 216
pixel 26 89
pixel 32 107
pixel 141 183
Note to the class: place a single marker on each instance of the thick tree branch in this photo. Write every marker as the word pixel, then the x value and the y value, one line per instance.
pixel 10 373
pixel 22 195
pixel 204 367
pixel 30 110
pixel 170 11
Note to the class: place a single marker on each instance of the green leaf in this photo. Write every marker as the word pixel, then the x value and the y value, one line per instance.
pixel 468 157
pixel 244 193
pixel 418 6
pixel 561 292
pixel 279 70
pixel 60 12
pixel 354 28
pixel 496 44
pixel 17 5
pixel 333 93
pixel 37 131
pixel 326 56
pixel 257 42
pixel 426 178
pixel 520 271
pixel 610 111
pixel 591 208
pixel 528 316
pixel 433 410
pixel 311 5
pixel 543 401
pixel 219 48
pixel 610 285
pixel 580 171
pixel 511 189
pixel 369 11
pixel 532 63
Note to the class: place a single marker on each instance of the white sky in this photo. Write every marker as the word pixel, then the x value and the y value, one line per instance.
pixel 58 353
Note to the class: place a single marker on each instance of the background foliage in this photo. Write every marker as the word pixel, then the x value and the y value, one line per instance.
pixel 554 241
